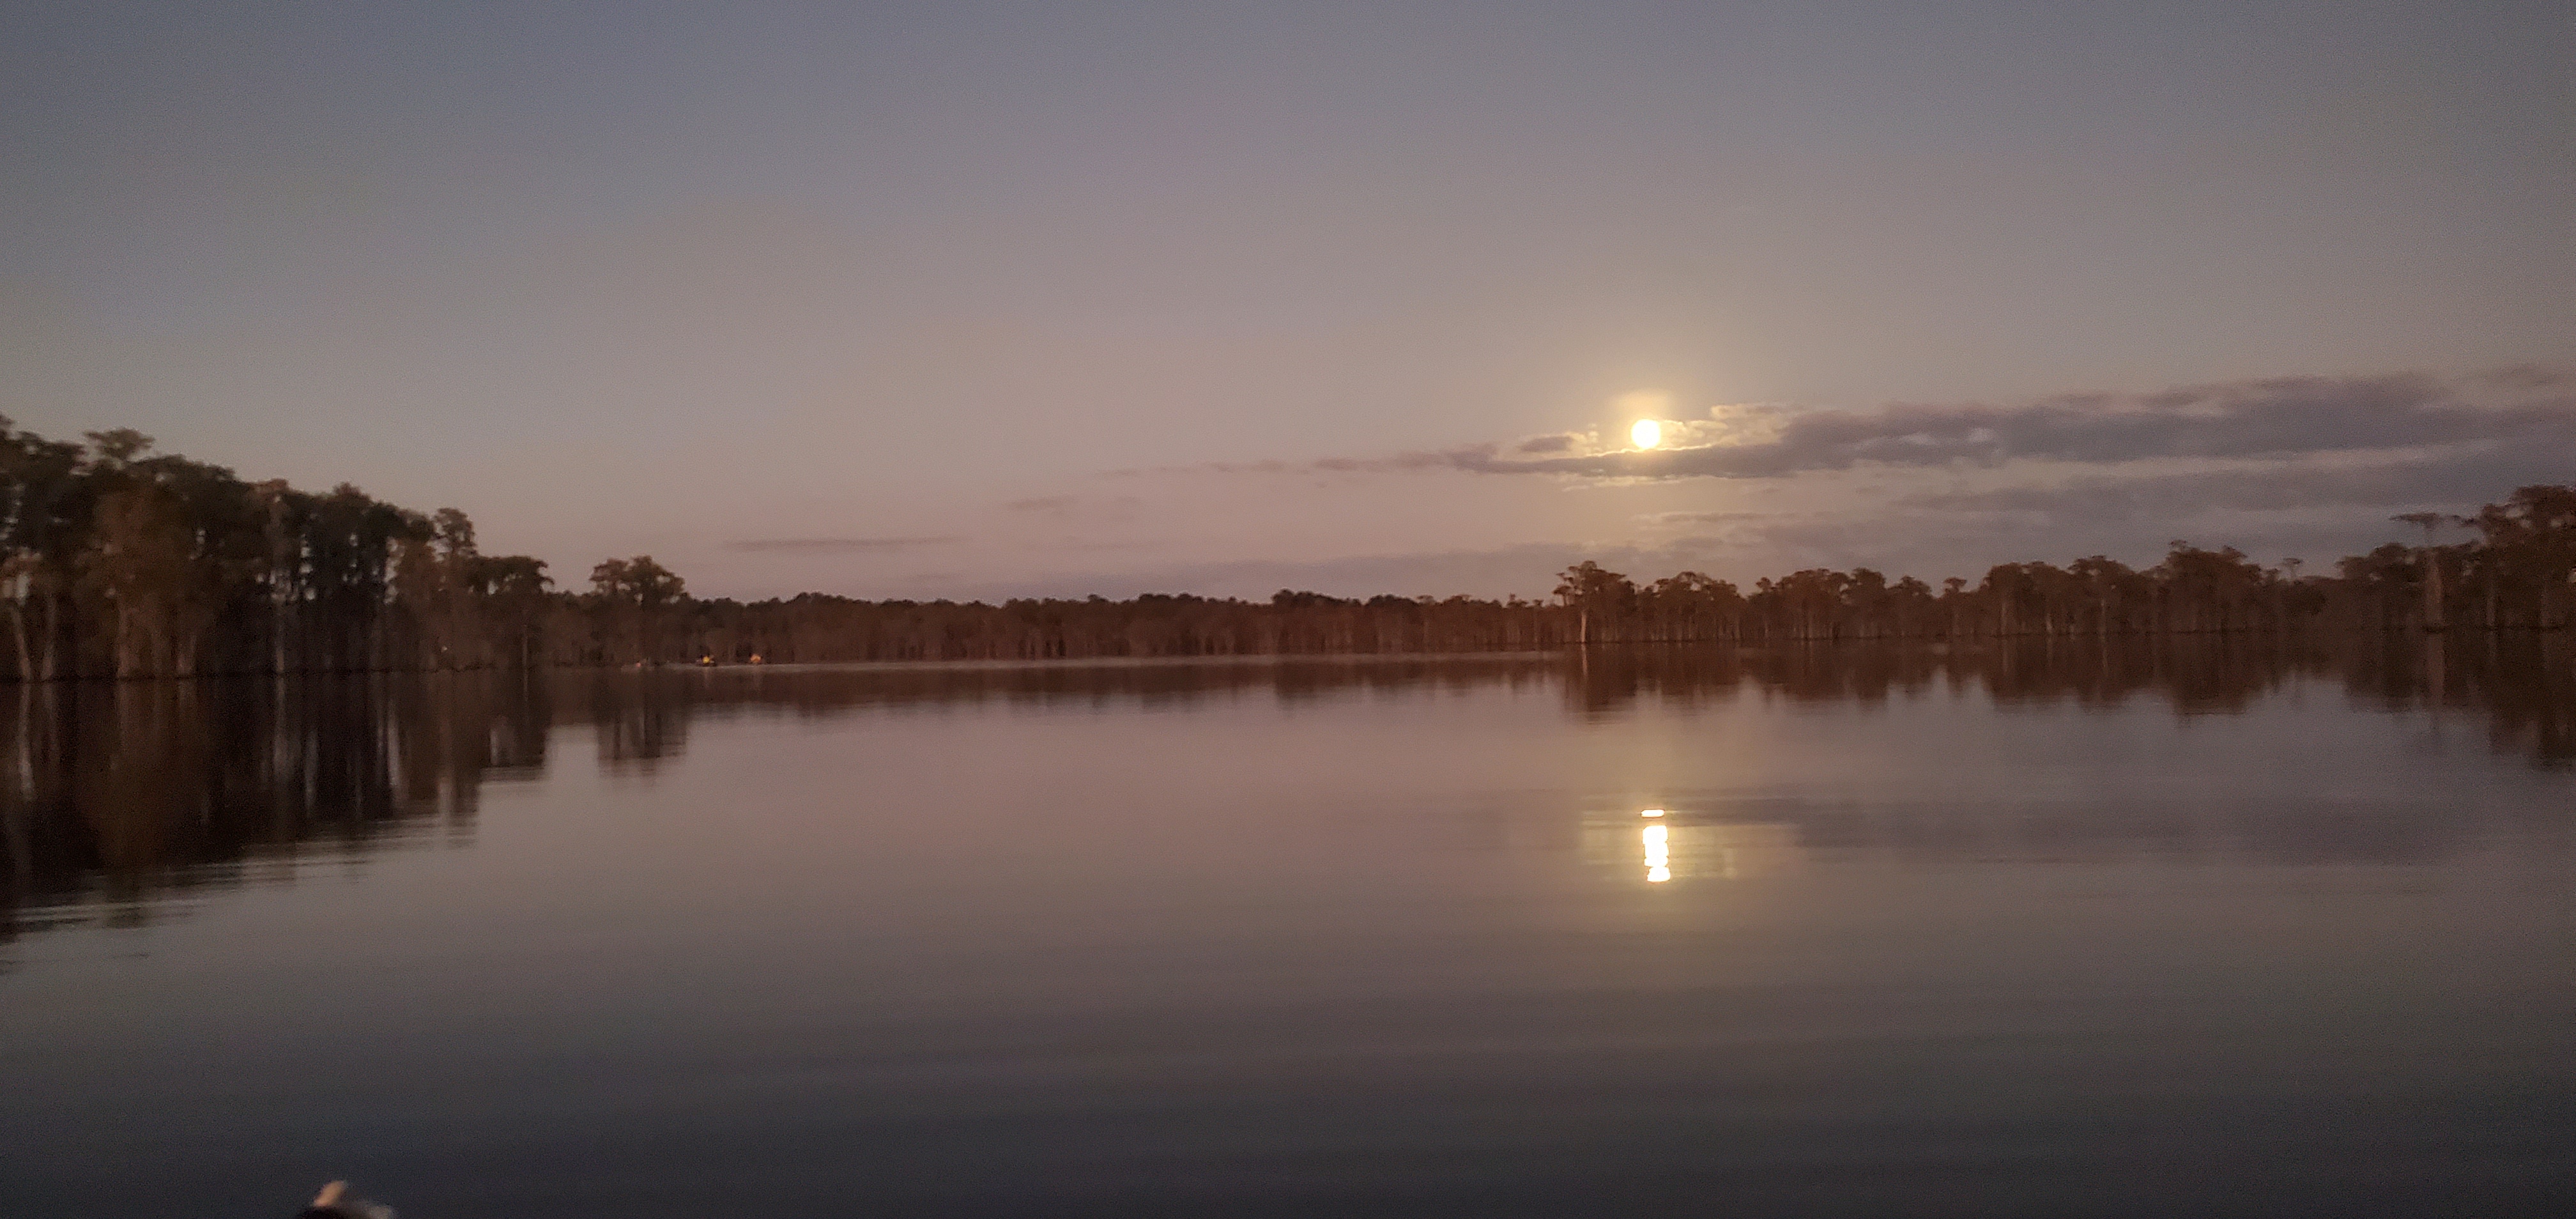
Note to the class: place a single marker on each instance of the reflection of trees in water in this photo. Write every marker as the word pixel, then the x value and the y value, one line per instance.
pixel 2215 673
pixel 120 791
pixel 829 691
pixel 112 794
pixel 2522 685
pixel 641 718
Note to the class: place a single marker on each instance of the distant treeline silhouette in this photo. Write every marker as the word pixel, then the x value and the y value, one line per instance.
pixel 119 562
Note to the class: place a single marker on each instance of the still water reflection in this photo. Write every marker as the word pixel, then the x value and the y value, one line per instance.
pixel 2217 927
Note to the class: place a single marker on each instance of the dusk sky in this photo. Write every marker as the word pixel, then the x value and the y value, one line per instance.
pixel 965 300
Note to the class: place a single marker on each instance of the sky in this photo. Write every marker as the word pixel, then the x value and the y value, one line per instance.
pixel 981 300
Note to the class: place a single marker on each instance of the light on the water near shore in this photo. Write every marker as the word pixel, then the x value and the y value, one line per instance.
pixel 1659 859
pixel 1647 433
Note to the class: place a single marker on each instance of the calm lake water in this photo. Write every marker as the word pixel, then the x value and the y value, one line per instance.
pixel 2208 930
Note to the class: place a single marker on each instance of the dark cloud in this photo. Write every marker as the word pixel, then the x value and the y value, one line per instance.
pixel 1469 457
pixel 1704 518
pixel 2527 378
pixel 1068 507
pixel 1076 546
pixel 2280 417
pixel 2448 479
pixel 1558 442
pixel 828 545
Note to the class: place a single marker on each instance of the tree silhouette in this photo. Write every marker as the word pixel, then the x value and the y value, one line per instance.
pixel 119 561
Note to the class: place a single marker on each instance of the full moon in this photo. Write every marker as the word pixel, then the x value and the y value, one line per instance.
pixel 1647 433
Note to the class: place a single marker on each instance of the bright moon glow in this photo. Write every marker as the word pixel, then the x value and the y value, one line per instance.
pixel 1647 433
pixel 1659 856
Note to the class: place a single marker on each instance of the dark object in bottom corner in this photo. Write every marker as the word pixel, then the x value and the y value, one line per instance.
pixel 334 1202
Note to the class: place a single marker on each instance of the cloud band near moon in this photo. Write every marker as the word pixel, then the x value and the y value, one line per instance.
pixel 2269 418
pixel 836 545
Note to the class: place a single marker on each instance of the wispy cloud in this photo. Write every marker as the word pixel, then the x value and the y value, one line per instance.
pixel 1705 518
pixel 1071 505
pixel 2279 417
pixel 831 545
pixel 2451 476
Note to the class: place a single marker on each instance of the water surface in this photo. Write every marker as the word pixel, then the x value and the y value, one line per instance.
pixel 2218 929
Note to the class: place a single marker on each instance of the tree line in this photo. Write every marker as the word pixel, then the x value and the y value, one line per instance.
pixel 2516 571
pixel 117 561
